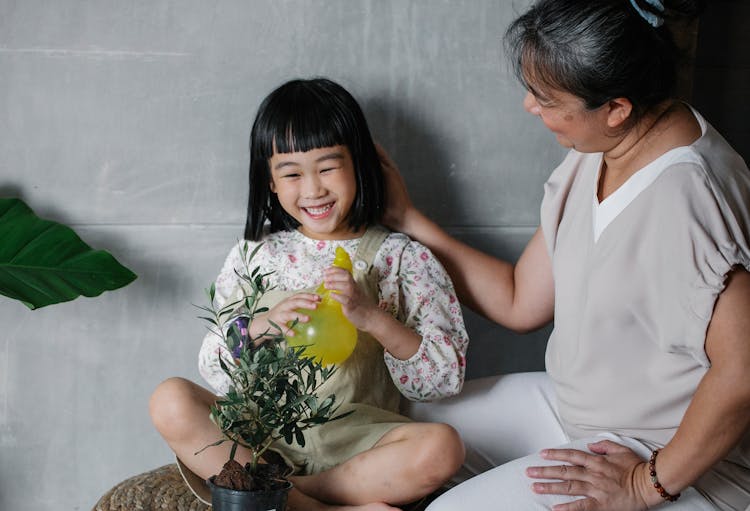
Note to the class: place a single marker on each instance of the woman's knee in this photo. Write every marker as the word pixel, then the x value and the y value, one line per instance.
pixel 173 403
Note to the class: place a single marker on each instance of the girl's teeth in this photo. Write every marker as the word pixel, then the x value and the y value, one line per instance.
pixel 318 211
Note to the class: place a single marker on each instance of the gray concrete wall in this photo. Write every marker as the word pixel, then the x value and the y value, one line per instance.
pixel 130 120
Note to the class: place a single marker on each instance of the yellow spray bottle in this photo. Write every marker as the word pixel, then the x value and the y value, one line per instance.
pixel 328 335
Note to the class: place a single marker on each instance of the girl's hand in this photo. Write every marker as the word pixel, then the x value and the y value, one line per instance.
pixel 612 478
pixel 398 200
pixel 355 304
pixel 285 312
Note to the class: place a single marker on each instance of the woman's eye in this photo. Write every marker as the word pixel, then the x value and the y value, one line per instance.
pixel 542 101
pixel 290 176
pixel 327 169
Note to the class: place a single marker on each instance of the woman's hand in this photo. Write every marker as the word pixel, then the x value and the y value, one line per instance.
pixel 284 313
pixel 355 304
pixel 398 200
pixel 612 478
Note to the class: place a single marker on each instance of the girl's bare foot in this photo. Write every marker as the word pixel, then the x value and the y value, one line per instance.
pixel 298 501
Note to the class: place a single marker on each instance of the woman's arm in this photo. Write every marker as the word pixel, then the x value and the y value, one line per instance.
pixel 715 421
pixel 719 414
pixel 520 297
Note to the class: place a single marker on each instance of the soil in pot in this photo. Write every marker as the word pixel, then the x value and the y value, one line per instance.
pixel 235 489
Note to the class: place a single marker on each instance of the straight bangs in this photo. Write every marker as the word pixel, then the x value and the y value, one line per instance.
pixel 301 123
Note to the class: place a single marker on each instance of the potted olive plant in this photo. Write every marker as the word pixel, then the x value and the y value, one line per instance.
pixel 271 396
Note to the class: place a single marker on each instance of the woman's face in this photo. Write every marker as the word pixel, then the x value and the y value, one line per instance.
pixel 317 188
pixel 566 115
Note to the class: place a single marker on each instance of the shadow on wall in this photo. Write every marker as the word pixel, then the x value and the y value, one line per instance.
pixel 413 145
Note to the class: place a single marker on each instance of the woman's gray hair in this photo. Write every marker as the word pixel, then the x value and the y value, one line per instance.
pixel 599 50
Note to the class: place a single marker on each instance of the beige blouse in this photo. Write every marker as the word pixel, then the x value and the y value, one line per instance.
pixel 632 304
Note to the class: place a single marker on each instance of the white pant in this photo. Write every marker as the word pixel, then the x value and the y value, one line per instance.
pixel 505 421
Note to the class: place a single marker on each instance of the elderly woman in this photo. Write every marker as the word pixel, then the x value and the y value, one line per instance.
pixel 641 258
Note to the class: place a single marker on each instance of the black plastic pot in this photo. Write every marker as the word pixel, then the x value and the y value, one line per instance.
pixel 223 499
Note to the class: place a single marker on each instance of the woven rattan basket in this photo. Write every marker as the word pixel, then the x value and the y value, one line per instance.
pixel 160 489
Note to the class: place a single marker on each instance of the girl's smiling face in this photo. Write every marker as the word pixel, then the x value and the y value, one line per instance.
pixel 317 188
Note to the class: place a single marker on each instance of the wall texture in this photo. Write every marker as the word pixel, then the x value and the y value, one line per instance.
pixel 130 120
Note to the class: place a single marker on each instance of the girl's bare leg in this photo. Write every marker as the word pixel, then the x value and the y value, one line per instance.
pixel 179 409
pixel 408 463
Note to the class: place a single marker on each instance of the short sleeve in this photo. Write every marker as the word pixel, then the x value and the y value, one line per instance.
pixel 703 236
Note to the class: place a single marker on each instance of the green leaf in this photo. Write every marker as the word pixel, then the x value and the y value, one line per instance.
pixel 44 262
pixel 299 437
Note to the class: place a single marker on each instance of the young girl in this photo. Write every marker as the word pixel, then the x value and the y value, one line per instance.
pixel 316 179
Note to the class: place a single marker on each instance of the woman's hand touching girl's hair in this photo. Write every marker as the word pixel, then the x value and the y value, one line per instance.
pixel 355 304
pixel 398 202
pixel 283 313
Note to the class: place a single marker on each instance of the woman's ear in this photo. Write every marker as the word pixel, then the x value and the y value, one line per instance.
pixel 619 110
pixel 272 185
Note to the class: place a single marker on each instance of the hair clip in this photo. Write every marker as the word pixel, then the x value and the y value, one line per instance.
pixel 652 19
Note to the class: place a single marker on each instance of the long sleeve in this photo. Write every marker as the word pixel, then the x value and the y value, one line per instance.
pixel 418 291
pixel 413 287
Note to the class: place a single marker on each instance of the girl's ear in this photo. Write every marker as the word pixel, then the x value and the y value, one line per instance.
pixel 619 110
pixel 272 186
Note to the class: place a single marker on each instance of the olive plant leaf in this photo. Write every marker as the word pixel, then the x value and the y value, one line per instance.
pixel 44 262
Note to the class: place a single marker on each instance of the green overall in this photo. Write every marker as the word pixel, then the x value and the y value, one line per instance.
pixel 361 383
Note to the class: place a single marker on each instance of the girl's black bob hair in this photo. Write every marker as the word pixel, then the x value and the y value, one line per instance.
pixel 298 116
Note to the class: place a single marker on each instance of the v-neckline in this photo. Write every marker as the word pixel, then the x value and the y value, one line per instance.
pixel 606 211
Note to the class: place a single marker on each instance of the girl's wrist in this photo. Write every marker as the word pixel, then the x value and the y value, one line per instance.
pixel 258 326
pixel 373 319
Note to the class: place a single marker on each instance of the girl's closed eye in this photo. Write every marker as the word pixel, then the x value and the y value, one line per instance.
pixel 317 188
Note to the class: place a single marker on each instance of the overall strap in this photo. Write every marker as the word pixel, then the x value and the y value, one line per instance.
pixel 368 248
pixel 365 255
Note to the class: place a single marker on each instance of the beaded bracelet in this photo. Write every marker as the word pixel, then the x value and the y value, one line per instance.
pixel 652 471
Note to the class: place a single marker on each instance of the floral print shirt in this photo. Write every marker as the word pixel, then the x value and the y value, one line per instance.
pixel 413 287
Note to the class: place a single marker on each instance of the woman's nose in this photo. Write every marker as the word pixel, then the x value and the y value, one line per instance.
pixel 530 104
